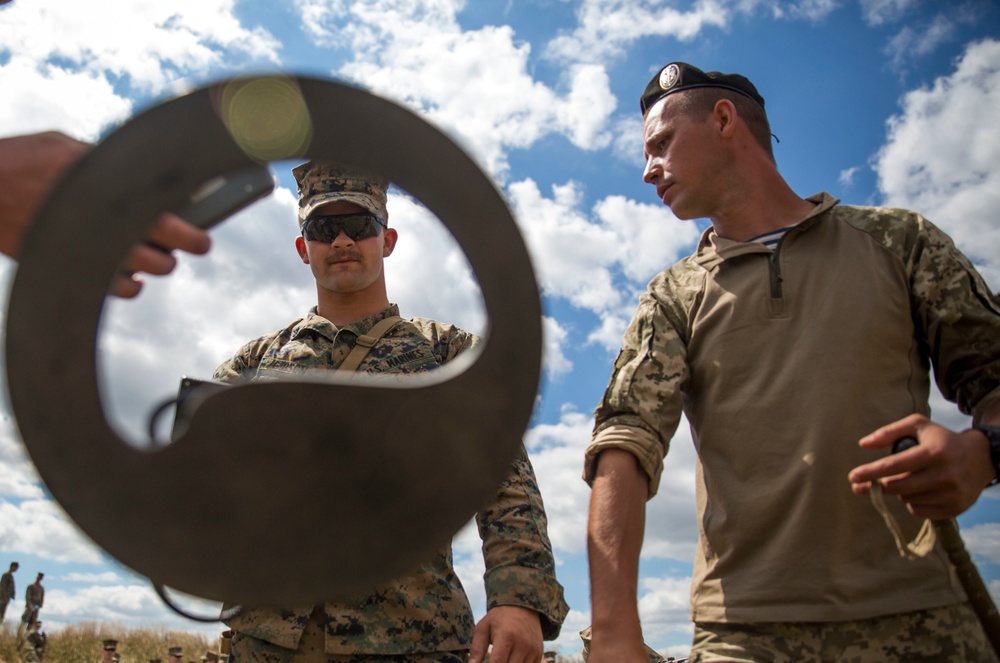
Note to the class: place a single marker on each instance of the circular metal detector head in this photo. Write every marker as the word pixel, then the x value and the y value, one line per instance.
pixel 329 488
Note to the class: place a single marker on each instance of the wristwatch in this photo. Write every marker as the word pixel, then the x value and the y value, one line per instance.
pixel 992 434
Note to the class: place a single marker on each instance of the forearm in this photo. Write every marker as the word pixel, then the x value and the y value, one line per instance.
pixel 614 540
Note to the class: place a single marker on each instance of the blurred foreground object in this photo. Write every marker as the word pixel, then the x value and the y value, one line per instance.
pixel 369 454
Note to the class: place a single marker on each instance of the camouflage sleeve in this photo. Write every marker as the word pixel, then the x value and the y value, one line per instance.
pixel 959 318
pixel 520 567
pixel 642 404
pixel 448 340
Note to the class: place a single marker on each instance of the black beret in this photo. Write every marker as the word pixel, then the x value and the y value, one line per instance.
pixel 678 76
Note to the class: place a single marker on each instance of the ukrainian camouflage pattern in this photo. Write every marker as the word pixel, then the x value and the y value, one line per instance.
pixel 951 634
pixel 585 636
pixel 7 590
pixel 953 306
pixel 427 610
pixel 323 182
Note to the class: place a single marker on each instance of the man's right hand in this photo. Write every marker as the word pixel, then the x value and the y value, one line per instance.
pixel 31 165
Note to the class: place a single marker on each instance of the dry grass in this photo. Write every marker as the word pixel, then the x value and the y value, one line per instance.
pixel 81 643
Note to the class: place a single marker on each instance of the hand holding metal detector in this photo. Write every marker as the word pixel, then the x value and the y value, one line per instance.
pixel 329 488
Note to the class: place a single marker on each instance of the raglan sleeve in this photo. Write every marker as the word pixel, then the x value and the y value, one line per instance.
pixel 958 317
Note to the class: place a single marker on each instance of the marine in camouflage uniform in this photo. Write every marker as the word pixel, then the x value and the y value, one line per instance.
pixel 34 599
pixel 425 615
pixel 31 643
pixel 7 589
pixel 783 352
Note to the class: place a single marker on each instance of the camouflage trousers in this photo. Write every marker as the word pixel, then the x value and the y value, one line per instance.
pixel 951 634
pixel 246 649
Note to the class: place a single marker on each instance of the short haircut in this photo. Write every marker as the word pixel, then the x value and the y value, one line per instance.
pixel 699 102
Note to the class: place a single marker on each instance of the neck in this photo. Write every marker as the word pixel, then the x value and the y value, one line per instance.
pixel 759 204
pixel 345 308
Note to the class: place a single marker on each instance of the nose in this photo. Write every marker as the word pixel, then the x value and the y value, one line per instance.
pixel 652 170
pixel 342 239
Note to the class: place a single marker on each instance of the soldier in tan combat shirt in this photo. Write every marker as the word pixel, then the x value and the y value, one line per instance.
pixel 798 341
pixel 424 616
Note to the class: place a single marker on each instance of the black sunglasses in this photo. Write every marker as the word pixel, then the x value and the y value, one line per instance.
pixel 326 227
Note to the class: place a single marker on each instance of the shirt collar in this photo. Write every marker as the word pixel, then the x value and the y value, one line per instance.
pixel 314 323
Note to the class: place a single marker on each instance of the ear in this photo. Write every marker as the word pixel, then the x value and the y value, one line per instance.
pixel 389 237
pixel 724 114
pixel 300 246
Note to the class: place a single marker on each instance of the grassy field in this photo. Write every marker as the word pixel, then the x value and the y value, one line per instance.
pixel 82 644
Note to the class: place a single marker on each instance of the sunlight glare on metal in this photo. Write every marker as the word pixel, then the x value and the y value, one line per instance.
pixel 267 117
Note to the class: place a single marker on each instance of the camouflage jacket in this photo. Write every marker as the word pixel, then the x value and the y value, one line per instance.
pixel 34 595
pixel 781 361
pixel 31 646
pixel 7 586
pixel 427 610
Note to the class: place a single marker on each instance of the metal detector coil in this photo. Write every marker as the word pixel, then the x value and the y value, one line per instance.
pixel 329 488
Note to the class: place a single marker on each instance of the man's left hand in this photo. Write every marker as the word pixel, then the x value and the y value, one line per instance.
pixel 939 478
pixel 514 632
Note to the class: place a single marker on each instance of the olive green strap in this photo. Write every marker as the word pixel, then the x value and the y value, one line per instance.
pixel 366 342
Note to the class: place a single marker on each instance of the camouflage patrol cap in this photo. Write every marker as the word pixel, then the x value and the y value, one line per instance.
pixel 210 656
pixel 109 645
pixel 177 652
pixel 322 182
pixel 679 76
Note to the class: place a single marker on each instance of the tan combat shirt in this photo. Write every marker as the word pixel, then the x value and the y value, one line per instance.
pixel 782 360
pixel 427 610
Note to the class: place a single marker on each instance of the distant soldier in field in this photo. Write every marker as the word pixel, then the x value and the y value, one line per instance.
pixel 31 644
pixel 108 650
pixel 210 657
pixel 34 598
pixel 7 589
pixel 175 655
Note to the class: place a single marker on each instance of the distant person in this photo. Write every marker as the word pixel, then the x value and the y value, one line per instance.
pixel 31 645
pixel 423 616
pixel 175 655
pixel 798 339
pixel 7 589
pixel 31 165
pixel 109 649
pixel 210 657
pixel 34 599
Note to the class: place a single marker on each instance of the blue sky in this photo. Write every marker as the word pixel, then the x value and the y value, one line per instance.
pixel 876 101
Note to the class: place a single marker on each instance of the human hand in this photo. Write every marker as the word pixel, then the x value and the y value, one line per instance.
pixel 30 166
pixel 939 478
pixel 514 632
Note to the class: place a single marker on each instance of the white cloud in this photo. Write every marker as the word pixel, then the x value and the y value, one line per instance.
pixel 984 541
pixel 877 12
pixel 151 43
pixel 475 83
pixel 605 28
pixel 554 336
pixel 104 577
pixel 941 154
pixel 19 479
pixel 41 528
pixel 910 43
pixel 663 608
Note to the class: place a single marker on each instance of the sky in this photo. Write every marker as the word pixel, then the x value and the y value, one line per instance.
pixel 880 102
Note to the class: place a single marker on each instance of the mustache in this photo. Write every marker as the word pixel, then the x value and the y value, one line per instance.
pixel 347 254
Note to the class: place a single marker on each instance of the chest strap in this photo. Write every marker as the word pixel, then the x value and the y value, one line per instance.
pixel 366 342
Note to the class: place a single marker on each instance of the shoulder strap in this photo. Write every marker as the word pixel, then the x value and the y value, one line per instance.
pixel 366 342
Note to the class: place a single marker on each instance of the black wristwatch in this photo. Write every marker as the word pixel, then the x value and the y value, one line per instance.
pixel 992 434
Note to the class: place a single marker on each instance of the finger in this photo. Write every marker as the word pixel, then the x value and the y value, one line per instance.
pixel 125 286
pixel 171 232
pixel 480 641
pixel 890 466
pixel 149 259
pixel 887 435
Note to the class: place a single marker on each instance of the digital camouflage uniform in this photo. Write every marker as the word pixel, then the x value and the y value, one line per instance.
pixel 782 360
pixel 7 592
pixel 31 646
pixel 427 610
pixel 34 598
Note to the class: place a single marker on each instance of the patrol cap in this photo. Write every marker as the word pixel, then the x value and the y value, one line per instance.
pixel 175 651
pixel 109 645
pixel 321 182
pixel 678 76
pixel 210 656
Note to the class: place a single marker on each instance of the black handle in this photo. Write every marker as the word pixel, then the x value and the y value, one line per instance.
pixel 904 443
